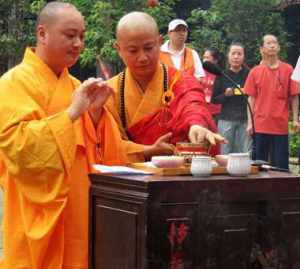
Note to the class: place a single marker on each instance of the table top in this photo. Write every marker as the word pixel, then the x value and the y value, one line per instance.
pixel 147 179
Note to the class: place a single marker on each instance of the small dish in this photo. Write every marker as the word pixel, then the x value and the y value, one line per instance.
pixel 167 161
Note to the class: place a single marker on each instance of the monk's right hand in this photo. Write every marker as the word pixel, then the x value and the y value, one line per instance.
pixel 162 146
pixel 91 93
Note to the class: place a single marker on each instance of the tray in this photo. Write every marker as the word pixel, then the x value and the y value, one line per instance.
pixel 183 170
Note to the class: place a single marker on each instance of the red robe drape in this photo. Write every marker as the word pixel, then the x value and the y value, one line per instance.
pixel 188 107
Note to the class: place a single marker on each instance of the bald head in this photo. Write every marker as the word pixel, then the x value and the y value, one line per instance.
pixel 52 10
pixel 60 35
pixel 138 44
pixel 136 22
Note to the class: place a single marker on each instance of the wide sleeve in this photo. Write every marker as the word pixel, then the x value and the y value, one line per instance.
pixel 189 107
pixel 38 151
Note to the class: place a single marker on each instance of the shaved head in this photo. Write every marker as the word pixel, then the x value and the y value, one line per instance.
pixel 60 33
pixel 138 45
pixel 136 22
pixel 52 10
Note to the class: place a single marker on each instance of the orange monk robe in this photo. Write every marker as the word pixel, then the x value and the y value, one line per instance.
pixel 145 110
pixel 47 159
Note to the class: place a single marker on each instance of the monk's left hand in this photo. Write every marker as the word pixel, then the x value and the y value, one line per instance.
pixel 98 97
pixel 99 94
pixel 198 134
pixel 89 96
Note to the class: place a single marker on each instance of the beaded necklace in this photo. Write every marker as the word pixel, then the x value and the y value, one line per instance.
pixel 166 98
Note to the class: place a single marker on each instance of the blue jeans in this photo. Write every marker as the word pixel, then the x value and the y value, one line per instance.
pixel 235 133
pixel 273 149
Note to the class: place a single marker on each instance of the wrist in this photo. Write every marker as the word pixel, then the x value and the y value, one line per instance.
pixel 197 127
pixel 73 113
pixel 148 151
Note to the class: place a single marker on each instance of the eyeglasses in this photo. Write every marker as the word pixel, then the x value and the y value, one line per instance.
pixel 180 29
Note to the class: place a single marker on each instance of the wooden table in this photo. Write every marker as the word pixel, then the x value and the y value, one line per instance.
pixel 185 222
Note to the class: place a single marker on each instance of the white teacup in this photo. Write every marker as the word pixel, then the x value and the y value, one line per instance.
pixel 239 164
pixel 201 166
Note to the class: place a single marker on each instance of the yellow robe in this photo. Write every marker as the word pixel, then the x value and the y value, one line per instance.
pixel 46 161
pixel 138 105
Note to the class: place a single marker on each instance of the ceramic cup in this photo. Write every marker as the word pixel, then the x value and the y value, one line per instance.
pixel 239 164
pixel 201 166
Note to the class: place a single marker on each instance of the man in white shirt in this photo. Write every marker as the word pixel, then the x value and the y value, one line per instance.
pixel 296 73
pixel 174 52
pixel 296 77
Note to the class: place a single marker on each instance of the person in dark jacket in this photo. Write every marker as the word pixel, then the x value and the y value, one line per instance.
pixel 232 121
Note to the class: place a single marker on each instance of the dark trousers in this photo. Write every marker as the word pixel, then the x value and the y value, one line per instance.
pixel 273 149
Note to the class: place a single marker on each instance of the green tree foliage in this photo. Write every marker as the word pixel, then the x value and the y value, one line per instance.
pixel 237 20
pixel 294 144
pixel 225 21
pixel 102 17
pixel 17 26
pixel 16 29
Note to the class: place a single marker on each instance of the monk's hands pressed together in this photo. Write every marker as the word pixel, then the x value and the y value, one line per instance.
pixel 162 146
pixel 90 95
pixel 198 134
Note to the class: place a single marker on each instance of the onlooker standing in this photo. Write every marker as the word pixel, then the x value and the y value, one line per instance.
pixel 174 52
pixel 210 55
pixel 232 123
pixel 270 90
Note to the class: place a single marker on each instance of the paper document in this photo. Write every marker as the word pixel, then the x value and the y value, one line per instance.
pixel 120 170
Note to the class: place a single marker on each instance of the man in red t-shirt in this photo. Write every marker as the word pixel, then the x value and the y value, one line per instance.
pixel 270 91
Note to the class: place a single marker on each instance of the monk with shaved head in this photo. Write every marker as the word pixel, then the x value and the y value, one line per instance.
pixel 155 105
pixel 52 129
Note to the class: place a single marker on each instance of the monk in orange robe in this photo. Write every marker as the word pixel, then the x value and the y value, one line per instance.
pixel 52 129
pixel 154 105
